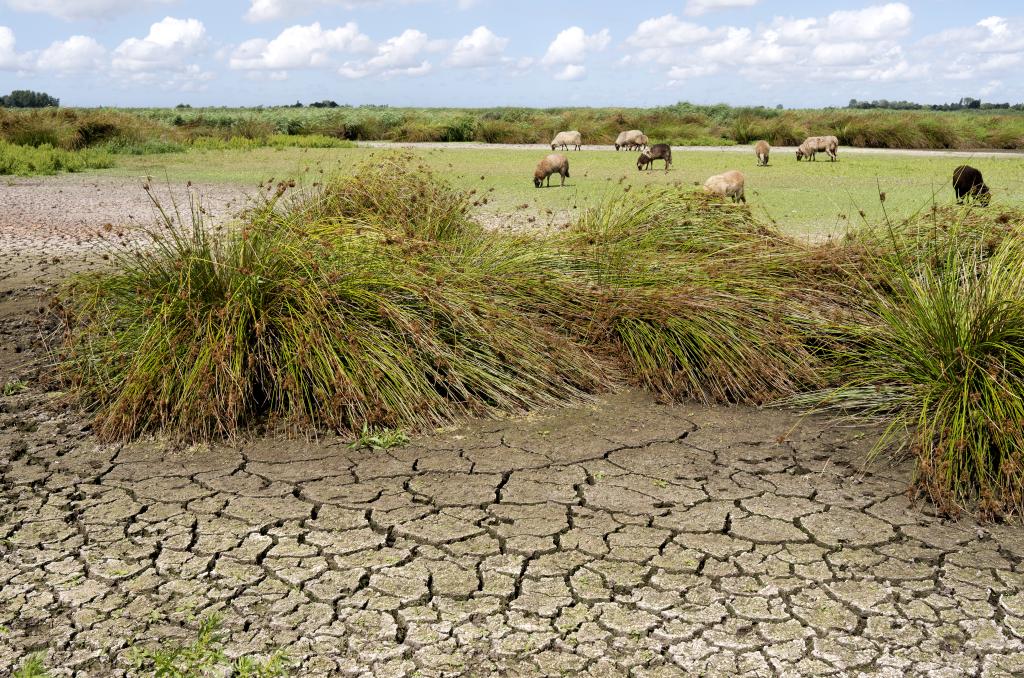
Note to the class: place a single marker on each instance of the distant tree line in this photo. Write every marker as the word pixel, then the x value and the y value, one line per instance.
pixel 965 104
pixel 23 98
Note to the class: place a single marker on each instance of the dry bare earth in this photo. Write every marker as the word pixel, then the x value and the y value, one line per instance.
pixel 625 539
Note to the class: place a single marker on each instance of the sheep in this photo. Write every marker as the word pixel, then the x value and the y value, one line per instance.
pixel 727 185
pixel 567 139
pixel 655 152
pixel 631 140
pixel 813 145
pixel 556 163
pixel 761 150
pixel 968 183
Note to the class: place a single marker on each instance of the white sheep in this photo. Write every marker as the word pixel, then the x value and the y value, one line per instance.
pixel 631 140
pixel 728 185
pixel 567 139
pixel 814 145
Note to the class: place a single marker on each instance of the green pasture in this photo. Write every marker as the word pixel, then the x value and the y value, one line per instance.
pixel 801 198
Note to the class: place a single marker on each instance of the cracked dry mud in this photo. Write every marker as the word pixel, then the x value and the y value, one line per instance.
pixel 628 538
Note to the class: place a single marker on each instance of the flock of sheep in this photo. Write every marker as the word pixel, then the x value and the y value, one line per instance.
pixel 967 181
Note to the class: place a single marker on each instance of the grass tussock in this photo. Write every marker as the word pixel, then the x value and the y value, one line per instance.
pixel 314 321
pixel 375 304
pixel 692 297
pixel 938 354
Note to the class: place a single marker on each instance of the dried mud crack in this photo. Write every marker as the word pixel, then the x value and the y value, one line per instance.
pixel 627 539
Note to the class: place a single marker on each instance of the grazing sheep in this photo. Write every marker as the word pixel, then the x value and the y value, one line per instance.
pixel 761 150
pixel 556 163
pixel 813 145
pixel 567 139
pixel 968 183
pixel 631 140
pixel 727 185
pixel 655 152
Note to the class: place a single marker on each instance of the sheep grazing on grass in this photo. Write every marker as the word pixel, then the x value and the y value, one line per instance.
pixel 814 145
pixel 968 184
pixel 655 152
pixel 556 163
pixel 567 139
pixel 762 150
pixel 631 140
pixel 728 185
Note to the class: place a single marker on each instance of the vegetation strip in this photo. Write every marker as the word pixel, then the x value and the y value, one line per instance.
pixel 375 302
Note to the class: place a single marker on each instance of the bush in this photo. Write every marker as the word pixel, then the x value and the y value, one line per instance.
pixel 29 160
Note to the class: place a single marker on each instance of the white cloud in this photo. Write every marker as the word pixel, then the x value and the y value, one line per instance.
pixel 841 53
pixel 169 44
pixel 77 53
pixel 82 9
pixel 272 10
pixel 845 45
pixel 571 72
pixel 871 23
pixel 993 34
pixel 165 56
pixel 401 55
pixel 8 57
pixel 699 7
pixel 299 47
pixel 478 49
pixel 668 30
pixel 572 45
pixel 679 73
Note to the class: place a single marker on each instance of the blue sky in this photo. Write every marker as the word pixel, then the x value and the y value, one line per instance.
pixel 491 52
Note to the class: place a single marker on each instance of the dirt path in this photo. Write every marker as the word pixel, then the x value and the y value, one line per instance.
pixel 778 150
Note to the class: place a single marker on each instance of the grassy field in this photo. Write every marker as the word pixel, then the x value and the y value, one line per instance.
pixel 801 198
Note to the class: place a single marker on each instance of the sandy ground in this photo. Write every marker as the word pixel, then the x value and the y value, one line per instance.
pixel 624 539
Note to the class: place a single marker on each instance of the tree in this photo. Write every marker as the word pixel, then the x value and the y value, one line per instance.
pixel 23 98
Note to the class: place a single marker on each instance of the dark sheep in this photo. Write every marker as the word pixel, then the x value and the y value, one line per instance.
pixel 968 183
pixel 655 152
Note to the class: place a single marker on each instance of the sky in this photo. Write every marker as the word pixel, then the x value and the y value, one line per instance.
pixel 511 53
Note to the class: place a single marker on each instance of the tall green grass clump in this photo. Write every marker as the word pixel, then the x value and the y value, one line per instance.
pixel 318 312
pixel 939 356
pixel 694 298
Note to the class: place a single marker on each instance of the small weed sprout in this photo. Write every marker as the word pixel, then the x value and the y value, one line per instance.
pixel 15 387
pixel 32 667
pixel 205 658
pixel 379 438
